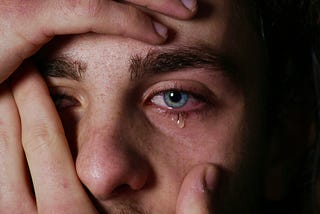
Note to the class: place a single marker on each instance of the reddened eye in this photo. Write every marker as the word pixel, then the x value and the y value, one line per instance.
pixel 176 100
pixel 171 99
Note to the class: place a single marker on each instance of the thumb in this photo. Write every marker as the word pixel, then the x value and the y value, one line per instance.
pixel 197 190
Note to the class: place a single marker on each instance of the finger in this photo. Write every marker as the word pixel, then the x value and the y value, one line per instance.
pixel 57 187
pixel 196 193
pixel 35 22
pixel 15 190
pixel 101 16
pixel 183 9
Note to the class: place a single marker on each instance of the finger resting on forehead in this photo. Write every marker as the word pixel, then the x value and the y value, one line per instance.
pixel 173 8
pixel 106 17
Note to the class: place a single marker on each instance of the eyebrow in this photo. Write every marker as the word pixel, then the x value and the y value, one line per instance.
pixel 155 62
pixel 179 58
pixel 62 67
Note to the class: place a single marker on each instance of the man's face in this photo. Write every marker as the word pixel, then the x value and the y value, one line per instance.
pixel 139 117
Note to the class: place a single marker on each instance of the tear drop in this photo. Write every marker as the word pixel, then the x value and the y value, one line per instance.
pixel 181 121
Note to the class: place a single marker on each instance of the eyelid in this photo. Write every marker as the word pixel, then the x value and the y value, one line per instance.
pixel 194 88
pixel 191 105
pixel 68 92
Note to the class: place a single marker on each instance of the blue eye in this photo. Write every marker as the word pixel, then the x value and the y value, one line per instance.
pixel 175 99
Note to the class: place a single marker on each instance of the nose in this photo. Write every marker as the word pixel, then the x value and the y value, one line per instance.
pixel 107 165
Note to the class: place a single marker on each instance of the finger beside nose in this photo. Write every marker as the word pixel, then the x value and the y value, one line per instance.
pixel 198 189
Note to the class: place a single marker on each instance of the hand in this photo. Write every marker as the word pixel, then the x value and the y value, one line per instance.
pixel 57 188
pixel 197 190
pixel 25 26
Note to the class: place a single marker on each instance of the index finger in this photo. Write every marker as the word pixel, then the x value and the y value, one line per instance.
pixel 57 187
pixel 181 9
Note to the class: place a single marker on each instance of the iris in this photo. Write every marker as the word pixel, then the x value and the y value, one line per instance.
pixel 175 99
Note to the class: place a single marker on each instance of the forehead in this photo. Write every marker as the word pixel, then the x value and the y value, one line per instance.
pixel 222 24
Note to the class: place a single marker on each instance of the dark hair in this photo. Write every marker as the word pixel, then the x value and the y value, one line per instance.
pixel 290 31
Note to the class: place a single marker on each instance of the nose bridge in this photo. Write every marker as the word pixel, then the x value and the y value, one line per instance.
pixel 107 161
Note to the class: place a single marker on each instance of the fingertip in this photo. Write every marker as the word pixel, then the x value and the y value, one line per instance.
pixel 178 9
pixel 191 6
pixel 140 26
pixel 161 30
pixel 211 177
pixel 206 176
pixel 155 33
pixel 198 189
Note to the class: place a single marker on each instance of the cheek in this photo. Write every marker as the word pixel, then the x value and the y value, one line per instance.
pixel 212 138
pixel 175 151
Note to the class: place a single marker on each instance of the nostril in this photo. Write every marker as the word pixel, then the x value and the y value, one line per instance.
pixel 122 189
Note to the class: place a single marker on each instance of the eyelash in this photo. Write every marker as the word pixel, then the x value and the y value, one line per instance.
pixel 201 96
pixel 63 96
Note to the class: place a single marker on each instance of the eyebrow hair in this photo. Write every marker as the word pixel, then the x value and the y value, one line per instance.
pixel 155 62
pixel 179 58
pixel 62 67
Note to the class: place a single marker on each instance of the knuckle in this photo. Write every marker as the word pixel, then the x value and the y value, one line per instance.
pixel 135 14
pixel 136 21
pixel 84 8
pixel 37 139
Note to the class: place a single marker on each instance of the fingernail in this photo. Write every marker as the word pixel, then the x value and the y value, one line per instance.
pixel 190 4
pixel 210 178
pixel 161 29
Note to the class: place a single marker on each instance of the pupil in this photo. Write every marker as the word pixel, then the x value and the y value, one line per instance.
pixel 175 97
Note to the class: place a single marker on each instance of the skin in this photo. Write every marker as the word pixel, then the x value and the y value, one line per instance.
pixel 130 154
pixel 25 27
pixel 128 151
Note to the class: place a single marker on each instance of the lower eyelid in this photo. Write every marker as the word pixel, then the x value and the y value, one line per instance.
pixel 197 114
